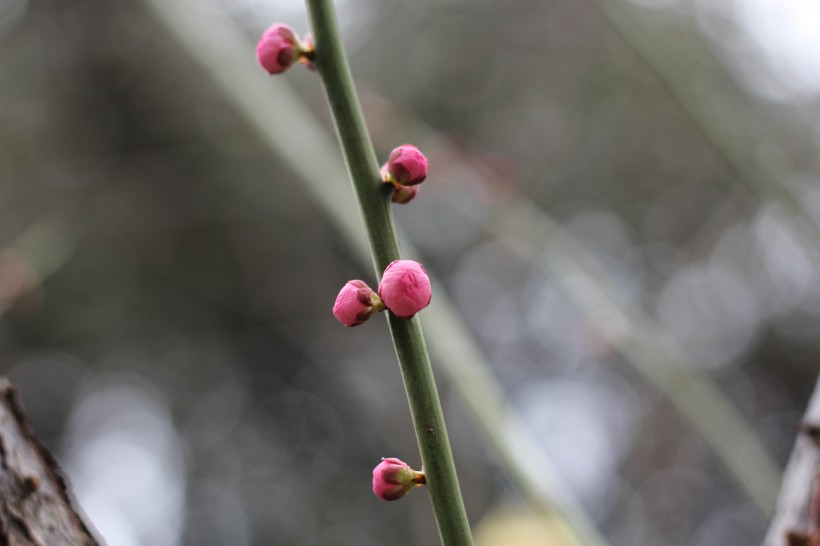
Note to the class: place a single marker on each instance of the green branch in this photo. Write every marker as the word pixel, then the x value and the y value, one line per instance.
pixel 408 339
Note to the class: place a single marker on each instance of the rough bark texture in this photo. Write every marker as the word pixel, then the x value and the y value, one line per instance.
pixel 795 521
pixel 36 507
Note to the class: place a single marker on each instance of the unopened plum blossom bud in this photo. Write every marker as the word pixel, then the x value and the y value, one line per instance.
pixel 356 303
pixel 406 165
pixel 278 48
pixel 404 194
pixel 405 288
pixel 401 194
pixel 393 478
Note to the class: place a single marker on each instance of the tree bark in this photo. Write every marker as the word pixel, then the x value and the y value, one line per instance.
pixel 36 505
pixel 795 521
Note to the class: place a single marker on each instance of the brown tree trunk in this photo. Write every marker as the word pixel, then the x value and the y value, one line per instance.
pixel 36 506
pixel 796 521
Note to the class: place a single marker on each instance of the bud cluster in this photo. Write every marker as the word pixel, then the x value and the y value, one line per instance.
pixel 405 169
pixel 405 290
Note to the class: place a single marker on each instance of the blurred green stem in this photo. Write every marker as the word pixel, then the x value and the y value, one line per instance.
pixel 408 339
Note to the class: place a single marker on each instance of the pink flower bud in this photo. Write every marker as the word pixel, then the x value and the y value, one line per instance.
pixel 405 288
pixel 401 194
pixel 407 166
pixel 278 48
pixel 404 194
pixel 393 478
pixel 356 303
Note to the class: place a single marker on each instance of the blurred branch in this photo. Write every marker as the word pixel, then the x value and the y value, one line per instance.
pixel 799 480
pixel 310 152
pixel 46 245
pixel 40 251
pixel 725 119
pixel 644 345
pixel 37 506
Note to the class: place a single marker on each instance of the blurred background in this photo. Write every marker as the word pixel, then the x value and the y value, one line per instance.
pixel 623 208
